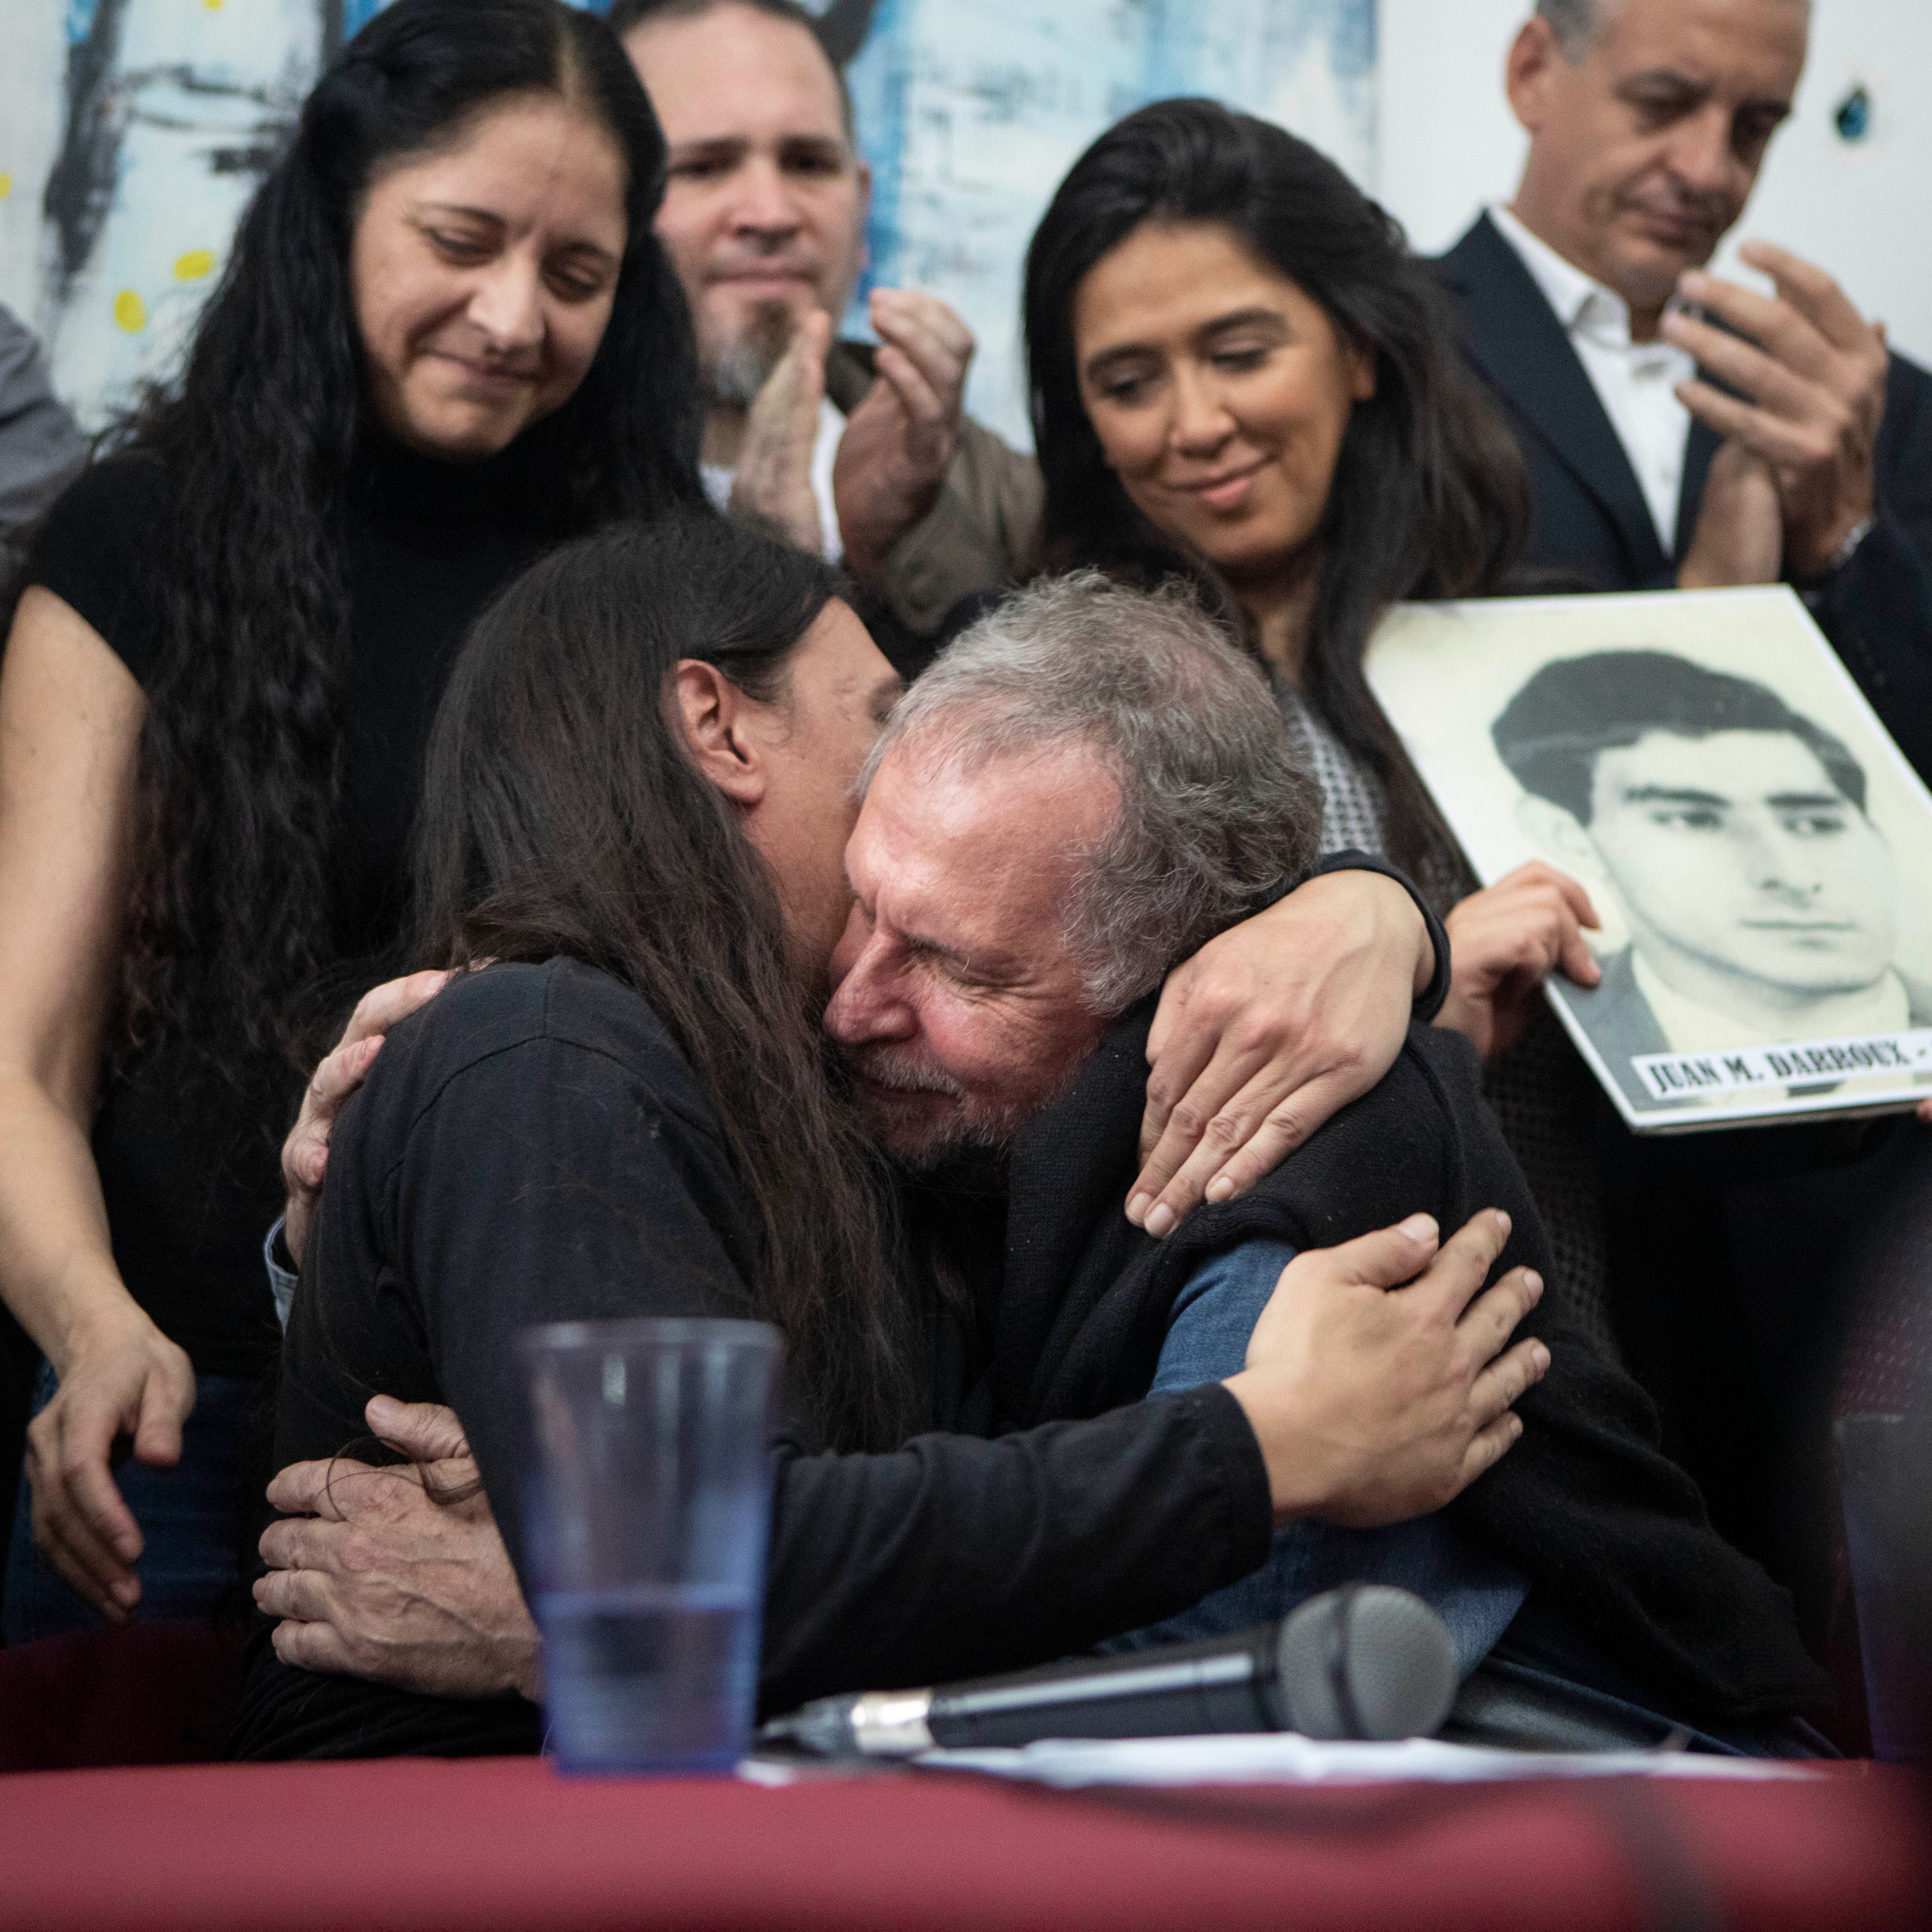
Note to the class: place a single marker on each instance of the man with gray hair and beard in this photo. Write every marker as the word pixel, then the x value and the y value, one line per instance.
pixel 1090 783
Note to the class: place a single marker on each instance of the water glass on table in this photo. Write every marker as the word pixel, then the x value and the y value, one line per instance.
pixel 647 1520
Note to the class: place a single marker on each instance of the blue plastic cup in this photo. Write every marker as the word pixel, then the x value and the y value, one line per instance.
pixel 645 1526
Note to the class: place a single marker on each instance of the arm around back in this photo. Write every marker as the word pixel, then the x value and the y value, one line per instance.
pixel 70 714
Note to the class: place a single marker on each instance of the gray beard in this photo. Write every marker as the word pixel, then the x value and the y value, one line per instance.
pixel 988 1134
pixel 741 367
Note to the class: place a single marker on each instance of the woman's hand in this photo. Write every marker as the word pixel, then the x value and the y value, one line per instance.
pixel 71 717
pixel 125 1378
pixel 305 1152
pixel 1271 1029
pixel 1504 942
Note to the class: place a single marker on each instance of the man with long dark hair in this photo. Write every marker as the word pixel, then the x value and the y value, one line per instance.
pixel 623 1109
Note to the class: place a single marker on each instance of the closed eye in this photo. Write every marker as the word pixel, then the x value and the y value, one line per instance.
pixel 462 250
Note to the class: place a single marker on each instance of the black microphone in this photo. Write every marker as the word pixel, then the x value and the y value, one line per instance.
pixel 1363 1661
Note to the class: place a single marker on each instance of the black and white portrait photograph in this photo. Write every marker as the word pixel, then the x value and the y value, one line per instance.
pixel 1759 853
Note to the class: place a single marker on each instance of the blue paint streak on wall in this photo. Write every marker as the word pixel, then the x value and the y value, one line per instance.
pixel 1346 29
pixel 880 81
pixel 1167 56
pixel 79 20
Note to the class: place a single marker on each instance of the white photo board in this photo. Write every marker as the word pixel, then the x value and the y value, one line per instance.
pixel 1759 851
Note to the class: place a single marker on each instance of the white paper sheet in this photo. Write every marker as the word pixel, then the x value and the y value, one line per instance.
pixel 1286 1759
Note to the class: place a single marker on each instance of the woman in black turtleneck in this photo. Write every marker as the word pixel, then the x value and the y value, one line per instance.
pixel 446 338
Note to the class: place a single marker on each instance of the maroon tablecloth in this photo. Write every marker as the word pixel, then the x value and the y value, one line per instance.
pixel 418 1845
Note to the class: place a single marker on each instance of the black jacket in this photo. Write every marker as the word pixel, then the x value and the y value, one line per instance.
pixel 1613 1535
pixel 1592 522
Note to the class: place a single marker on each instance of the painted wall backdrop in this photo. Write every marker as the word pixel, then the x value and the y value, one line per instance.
pixel 132 133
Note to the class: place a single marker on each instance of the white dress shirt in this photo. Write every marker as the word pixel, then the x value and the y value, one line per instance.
pixel 717 478
pixel 1635 381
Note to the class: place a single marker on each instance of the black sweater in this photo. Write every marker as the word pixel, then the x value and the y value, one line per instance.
pixel 421 546
pixel 532 1147
pixel 1614 1536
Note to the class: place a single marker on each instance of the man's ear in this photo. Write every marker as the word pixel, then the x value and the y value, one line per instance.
pixel 713 711
pixel 1529 72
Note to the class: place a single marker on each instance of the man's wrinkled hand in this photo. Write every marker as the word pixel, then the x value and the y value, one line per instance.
pixel 1811 373
pixel 772 481
pixel 1374 1402
pixel 900 440
pixel 1270 1030
pixel 374 1577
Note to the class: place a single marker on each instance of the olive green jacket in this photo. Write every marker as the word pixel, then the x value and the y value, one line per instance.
pixel 982 532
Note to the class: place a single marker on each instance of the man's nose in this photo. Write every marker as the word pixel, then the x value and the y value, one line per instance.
pixel 764 205
pixel 1787 865
pixel 867 1002
pixel 1701 157
pixel 507 304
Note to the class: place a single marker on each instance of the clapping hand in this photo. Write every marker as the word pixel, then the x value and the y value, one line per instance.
pixel 773 478
pixel 1810 372
pixel 900 439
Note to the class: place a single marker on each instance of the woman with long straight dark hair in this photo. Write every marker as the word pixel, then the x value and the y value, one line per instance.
pixel 1239 372
pixel 446 338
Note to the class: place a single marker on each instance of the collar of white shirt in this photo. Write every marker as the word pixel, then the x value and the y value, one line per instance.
pixel 1635 382
pixel 1582 304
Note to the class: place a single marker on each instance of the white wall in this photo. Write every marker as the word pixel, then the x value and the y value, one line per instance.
pixel 1447 144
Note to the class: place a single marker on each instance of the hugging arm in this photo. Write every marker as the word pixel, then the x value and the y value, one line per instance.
pixel 1266 1031
pixel 1276 1025
pixel 951 1555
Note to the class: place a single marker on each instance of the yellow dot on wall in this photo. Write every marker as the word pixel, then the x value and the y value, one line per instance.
pixel 130 311
pixel 6 186
pixel 213 6
pixel 196 263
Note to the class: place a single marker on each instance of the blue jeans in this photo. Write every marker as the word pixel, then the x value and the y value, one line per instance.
pixel 187 1516
pixel 1475 1594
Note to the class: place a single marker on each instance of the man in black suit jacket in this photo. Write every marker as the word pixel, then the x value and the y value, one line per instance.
pixel 1722 437
pixel 1758 437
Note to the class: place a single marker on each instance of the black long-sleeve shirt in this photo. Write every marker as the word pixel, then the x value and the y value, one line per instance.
pixel 532 1147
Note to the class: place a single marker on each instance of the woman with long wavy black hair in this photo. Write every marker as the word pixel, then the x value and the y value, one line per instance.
pixel 1239 372
pixel 446 338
